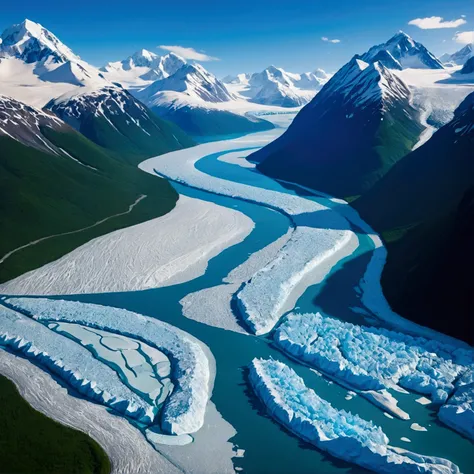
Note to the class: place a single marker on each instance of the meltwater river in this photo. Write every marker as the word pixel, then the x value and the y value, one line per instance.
pixel 268 447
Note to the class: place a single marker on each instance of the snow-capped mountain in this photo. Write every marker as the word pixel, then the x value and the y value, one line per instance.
pixel 191 80
pixel 199 103
pixel 142 68
pixel 111 117
pixel 24 124
pixel 460 57
pixel 31 42
pixel 275 86
pixel 402 52
pixel 349 135
pixel 36 66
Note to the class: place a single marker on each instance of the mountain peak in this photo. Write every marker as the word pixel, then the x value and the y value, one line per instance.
pixel 32 42
pixel 402 52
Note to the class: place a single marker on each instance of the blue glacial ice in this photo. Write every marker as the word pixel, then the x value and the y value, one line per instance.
pixel 370 358
pixel 337 432
pixel 266 296
pixel 458 412
pixel 144 369
pixel 184 410
pixel 72 363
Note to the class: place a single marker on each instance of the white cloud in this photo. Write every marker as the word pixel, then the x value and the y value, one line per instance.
pixel 324 38
pixel 464 37
pixel 435 22
pixel 189 53
pixel 463 16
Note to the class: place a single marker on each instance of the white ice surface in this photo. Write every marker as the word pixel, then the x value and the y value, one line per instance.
pixel 74 364
pixel 212 305
pixel 337 432
pixel 185 408
pixel 164 251
pixel 368 358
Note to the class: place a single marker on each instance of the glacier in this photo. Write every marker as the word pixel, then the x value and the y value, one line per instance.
pixel 339 433
pixel 319 232
pixel 185 408
pixel 73 364
pixel 369 358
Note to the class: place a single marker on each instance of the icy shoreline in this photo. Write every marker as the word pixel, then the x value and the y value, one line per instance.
pixel 125 446
pixel 168 250
pixel 337 432
pixel 184 410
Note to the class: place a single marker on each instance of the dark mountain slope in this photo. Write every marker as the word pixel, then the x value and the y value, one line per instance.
pixel 424 209
pixel 54 180
pixel 355 129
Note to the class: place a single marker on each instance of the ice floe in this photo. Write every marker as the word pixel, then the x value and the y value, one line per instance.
pixel 164 251
pixel 74 364
pixel 337 432
pixel 417 427
pixel 185 408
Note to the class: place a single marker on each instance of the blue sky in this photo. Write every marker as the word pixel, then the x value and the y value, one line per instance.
pixel 246 35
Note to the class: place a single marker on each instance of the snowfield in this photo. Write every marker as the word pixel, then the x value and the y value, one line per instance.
pixel 170 249
pixel 337 432
pixel 185 408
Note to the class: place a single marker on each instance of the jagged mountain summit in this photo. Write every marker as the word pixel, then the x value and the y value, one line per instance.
pixel 36 66
pixel 199 103
pixel 142 68
pixel 460 57
pixel 31 42
pixel 402 52
pixel 275 86
pixel 193 81
pixel 349 135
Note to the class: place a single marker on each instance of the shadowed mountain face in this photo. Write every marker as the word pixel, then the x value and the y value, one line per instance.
pixel 424 209
pixel 114 119
pixel 349 135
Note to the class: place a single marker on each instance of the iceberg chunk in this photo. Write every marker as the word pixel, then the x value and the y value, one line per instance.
pixel 337 432
pixel 370 358
pixel 184 410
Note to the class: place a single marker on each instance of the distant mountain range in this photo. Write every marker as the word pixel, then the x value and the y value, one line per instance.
pixel 460 57
pixel 142 68
pixel 275 86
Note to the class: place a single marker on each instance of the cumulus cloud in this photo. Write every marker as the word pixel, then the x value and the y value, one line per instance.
pixel 464 37
pixel 324 38
pixel 435 22
pixel 189 53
